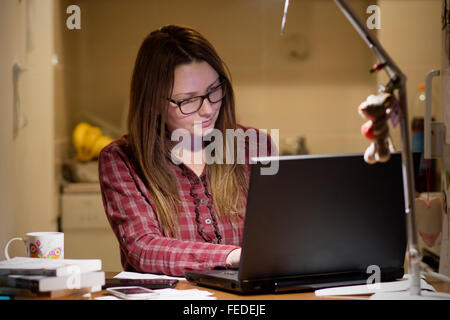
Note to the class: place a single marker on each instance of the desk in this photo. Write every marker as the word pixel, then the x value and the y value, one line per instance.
pixel 439 285
pixel 223 295
pixel 271 306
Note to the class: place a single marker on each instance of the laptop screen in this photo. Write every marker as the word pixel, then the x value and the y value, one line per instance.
pixel 324 214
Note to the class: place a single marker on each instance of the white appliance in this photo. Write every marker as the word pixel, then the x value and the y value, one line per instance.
pixel 87 233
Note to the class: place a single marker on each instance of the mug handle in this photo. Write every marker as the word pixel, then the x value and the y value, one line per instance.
pixel 7 246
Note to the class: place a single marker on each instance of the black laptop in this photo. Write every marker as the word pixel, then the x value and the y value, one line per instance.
pixel 320 221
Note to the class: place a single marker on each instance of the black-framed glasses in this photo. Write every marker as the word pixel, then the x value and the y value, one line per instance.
pixel 193 104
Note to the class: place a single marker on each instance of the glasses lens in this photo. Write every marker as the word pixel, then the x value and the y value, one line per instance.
pixel 217 94
pixel 191 105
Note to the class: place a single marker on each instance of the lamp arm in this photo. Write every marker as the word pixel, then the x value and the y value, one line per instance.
pixel 391 68
pixel 399 79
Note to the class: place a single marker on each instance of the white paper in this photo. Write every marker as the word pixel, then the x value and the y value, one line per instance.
pixel 164 294
pixel 383 287
pixel 190 294
pixel 107 298
pixel 173 294
pixel 136 275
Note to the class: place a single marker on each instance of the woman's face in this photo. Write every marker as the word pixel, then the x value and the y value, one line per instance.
pixel 191 80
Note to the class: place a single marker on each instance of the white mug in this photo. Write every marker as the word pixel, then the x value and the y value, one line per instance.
pixel 42 245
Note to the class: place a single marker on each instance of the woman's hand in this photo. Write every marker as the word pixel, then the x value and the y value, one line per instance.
pixel 233 259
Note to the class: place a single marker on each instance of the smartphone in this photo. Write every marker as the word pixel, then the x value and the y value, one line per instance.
pixel 146 283
pixel 132 293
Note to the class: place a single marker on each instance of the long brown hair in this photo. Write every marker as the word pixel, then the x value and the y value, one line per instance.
pixel 152 82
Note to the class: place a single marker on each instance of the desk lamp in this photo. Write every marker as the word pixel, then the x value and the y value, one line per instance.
pixel 396 86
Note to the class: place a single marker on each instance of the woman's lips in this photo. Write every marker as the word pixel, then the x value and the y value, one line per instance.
pixel 207 123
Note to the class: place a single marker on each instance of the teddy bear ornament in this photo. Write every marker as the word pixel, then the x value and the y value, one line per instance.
pixel 377 110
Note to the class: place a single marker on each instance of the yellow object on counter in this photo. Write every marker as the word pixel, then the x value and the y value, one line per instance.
pixel 88 141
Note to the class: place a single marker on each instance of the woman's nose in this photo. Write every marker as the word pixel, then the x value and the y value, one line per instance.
pixel 205 109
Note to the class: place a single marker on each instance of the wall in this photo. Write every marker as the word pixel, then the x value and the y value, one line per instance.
pixel 314 94
pixel 27 187
pixel 313 91
pixel 411 34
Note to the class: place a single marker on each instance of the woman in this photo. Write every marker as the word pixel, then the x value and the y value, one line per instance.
pixel 169 216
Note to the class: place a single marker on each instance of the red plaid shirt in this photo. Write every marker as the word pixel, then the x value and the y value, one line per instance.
pixel 203 241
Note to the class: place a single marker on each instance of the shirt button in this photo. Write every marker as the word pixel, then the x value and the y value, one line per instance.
pixel 202 201
pixel 208 221
pixel 122 239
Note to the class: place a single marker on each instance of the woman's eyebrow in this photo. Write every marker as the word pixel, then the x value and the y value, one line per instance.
pixel 197 93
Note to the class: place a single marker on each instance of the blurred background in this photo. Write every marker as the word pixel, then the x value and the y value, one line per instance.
pixel 307 83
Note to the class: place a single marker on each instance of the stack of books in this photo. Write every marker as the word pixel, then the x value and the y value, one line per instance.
pixel 54 278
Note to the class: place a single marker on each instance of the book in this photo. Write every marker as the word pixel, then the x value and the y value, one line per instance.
pixel 12 293
pixel 39 283
pixel 48 267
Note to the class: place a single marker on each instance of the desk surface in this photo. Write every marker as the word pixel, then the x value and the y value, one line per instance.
pixel 439 285
pixel 223 295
